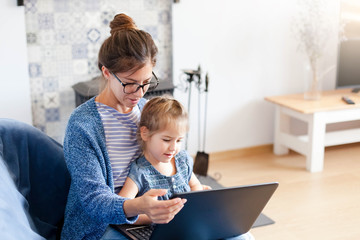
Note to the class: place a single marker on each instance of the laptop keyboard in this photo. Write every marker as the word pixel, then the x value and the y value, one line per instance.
pixel 142 232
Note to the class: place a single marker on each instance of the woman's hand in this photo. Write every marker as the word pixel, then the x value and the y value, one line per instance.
pixel 157 211
pixel 160 211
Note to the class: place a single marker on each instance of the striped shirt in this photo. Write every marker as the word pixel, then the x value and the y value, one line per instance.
pixel 120 134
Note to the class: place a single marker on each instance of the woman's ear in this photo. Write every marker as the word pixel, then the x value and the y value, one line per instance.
pixel 144 133
pixel 105 72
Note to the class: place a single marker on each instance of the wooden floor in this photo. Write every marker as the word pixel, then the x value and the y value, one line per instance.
pixel 306 205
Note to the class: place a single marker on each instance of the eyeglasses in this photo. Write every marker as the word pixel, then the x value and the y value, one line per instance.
pixel 134 87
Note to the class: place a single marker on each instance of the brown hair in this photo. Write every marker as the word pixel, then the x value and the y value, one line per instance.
pixel 161 112
pixel 127 48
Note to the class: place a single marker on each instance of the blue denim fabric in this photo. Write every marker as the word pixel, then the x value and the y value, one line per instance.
pixel 112 234
pixel 147 177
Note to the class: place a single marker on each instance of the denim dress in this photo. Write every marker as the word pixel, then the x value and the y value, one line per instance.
pixel 147 177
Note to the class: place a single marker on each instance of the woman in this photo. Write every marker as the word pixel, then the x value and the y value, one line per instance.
pixel 100 140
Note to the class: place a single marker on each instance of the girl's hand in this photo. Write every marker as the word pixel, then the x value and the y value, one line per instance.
pixel 206 187
pixel 157 211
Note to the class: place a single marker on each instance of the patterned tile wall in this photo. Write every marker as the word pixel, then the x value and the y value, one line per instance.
pixel 63 38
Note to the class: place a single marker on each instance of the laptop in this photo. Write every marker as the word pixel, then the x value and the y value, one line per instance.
pixel 209 214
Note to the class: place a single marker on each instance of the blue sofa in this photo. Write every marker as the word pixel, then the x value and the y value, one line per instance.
pixel 36 164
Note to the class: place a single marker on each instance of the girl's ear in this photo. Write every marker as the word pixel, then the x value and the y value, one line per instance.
pixel 144 133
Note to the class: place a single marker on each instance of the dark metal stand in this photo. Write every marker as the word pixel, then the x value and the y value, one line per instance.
pixel 201 161
pixel 190 78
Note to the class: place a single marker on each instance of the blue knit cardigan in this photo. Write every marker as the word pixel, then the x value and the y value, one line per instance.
pixel 92 204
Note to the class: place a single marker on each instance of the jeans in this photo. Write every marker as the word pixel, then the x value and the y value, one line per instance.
pixel 113 234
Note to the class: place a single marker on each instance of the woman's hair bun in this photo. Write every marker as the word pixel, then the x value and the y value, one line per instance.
pixel 121 22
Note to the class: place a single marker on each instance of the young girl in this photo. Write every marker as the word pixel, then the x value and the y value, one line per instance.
pixel 162 127
pixel 163 165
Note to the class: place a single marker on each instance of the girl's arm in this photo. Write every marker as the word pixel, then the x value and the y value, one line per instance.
pixel 195 184
pixel 130 190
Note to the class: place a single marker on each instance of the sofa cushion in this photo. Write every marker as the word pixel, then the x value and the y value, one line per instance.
pixel 37 165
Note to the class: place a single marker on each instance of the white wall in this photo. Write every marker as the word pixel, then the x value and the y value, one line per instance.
pixel 14 80
pixel 249 51
pixel 246 47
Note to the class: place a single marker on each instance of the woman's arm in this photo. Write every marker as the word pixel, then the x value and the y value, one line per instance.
pixel 90 194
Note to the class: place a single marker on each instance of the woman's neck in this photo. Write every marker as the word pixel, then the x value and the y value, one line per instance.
pixel 108 98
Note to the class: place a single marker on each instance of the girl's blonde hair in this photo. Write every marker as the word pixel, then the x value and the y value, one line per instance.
pixel 160 113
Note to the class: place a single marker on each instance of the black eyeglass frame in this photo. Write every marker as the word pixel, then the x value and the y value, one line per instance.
pixel 139 85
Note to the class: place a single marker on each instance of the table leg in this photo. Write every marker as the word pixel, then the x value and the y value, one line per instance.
pixel 282 124
pixel 316 132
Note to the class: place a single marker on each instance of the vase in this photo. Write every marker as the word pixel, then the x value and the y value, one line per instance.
pixel 312 81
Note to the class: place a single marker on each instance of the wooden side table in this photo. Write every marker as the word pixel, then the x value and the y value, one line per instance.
pixel 329 109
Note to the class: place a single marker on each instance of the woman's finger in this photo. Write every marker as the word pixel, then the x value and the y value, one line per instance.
pixel 164 211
